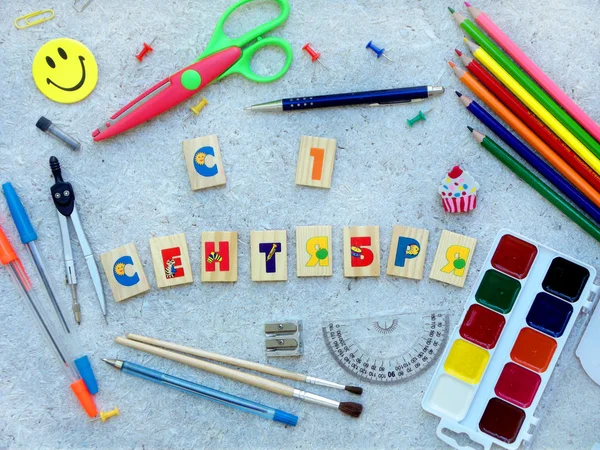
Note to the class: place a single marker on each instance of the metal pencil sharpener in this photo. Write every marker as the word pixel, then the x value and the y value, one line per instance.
pixel 283 338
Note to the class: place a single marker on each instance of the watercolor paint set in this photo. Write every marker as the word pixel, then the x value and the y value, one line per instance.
pixel 501 355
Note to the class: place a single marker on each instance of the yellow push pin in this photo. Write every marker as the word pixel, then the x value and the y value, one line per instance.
pixel 197 108
pixel 105 415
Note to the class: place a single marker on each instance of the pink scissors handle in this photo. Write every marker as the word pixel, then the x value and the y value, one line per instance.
pixel 169 92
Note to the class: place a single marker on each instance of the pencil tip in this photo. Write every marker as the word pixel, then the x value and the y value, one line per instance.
pixel 451 10
pixel 458 94
pixel 470 129
pixel 247 108
pixel 451 64
pixel 467 4
pixel 458 52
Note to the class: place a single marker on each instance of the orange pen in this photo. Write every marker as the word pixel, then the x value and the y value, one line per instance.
pixel 9 258
pixel 529 136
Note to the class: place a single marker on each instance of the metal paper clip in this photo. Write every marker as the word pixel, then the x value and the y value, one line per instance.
pixel 283 338
pixel 42 16
pixel 82 7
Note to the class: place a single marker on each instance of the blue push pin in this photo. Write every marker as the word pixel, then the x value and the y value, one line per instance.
pixel 378 51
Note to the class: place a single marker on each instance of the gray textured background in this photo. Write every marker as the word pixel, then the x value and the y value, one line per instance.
pixel 135 186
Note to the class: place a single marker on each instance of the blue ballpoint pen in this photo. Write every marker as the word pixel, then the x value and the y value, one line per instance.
pixel 210 394
pixel 371 98
pixel 29 237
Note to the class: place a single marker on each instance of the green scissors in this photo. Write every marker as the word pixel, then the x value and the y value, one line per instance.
pixel 223 56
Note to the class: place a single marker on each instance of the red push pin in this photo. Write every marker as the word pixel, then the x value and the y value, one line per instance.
pixel 147 48
pixel 315 56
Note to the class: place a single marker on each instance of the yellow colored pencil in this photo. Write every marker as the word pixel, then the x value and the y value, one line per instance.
pixel 504 77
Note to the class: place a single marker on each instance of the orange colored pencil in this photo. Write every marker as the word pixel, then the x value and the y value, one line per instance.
pixel 529 136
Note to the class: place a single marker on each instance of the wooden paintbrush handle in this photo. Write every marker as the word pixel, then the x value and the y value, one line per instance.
pixel 221 358
pixel 252 380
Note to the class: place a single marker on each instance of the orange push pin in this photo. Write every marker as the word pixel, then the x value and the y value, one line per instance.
pixel 105 415
pixel 147 48
pixel 197 108
pixel 314 55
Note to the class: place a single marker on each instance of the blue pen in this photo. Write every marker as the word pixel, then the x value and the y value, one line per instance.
pixel 29 237
pixel 371 98
pixel 214 395
pixel 528 155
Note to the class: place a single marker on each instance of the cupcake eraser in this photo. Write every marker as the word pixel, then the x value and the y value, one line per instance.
pixel 458 191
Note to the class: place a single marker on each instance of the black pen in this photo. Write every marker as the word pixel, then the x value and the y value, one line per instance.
pixel 371 98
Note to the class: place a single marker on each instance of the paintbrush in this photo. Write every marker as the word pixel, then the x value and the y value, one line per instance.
pixel 350 408
pixel 270 370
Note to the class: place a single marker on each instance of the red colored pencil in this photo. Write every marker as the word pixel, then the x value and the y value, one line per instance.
pixel 521 111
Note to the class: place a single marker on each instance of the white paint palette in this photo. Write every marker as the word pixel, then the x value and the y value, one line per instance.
pixel 503 351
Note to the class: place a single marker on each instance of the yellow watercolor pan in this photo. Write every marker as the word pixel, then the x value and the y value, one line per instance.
pixel 466 361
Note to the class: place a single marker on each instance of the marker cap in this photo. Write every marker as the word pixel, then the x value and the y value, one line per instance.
pixel 7 252
pixel 285 418
pixel 17 211
pixel 85 398
pixel 87 374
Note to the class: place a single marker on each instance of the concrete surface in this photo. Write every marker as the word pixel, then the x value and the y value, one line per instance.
pixel 135 186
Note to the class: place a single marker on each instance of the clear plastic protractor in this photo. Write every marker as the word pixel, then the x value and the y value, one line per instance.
pixel 387 349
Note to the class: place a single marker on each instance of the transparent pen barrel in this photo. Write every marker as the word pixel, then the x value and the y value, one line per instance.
pixel 43 273
pixel 70 338
pixel 55 338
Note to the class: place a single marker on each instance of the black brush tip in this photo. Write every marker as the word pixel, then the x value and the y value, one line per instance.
pixel 470 129
pixel 458 94
pixel 354 389
pixel 350 408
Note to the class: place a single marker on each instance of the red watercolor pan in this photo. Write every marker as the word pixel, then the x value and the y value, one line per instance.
pixel 517 385
pixel 514 256
pixel 482 326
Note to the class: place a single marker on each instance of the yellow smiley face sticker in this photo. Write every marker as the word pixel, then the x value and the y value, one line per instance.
pixel 65 70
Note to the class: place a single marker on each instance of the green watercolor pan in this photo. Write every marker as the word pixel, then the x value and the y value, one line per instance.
pixel 501 356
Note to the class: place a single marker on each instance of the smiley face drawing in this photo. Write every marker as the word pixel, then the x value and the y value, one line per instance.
pixel 65 70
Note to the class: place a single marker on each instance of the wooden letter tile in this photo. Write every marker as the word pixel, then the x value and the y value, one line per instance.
pixel 361 252
pixel 268 255
pixel 124 272
pixel 407 252
pixel 171 260
pixel 313 251
pixel 453 258
pixel 204 163
pixel 219 256
pixel 315 161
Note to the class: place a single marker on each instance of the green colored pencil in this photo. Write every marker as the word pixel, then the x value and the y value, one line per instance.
pixel 532 180
pixel 527 83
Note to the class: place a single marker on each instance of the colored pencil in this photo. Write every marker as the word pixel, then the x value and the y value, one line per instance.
pixel 521 111
pixel 528 84
pixel 534 71
pixel 503 76
pixel 526 175
pixel 534 160
pixel 529 136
